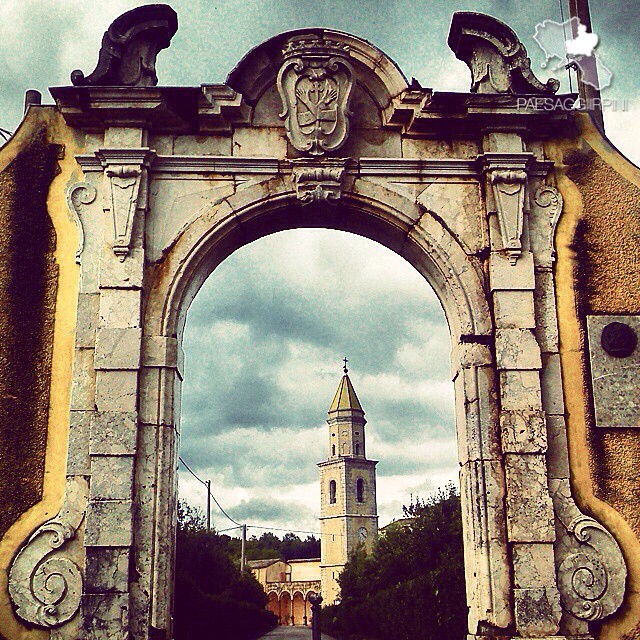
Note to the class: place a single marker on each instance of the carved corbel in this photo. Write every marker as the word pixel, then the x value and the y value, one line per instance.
pixel 319 182
pixel 508 188
pixel 44 585
pixel 125 191
pixel 590 566
pixel 80 193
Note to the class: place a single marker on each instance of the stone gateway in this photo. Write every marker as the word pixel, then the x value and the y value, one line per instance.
pixel 121 198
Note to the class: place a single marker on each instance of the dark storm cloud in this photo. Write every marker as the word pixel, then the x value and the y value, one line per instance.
pixel 269 510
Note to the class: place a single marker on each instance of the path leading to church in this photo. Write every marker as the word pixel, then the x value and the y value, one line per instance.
pixel 292 633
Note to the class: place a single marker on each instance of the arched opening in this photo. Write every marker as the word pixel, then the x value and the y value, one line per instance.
pixel 454 278
pixel 273 604
pixel 286 608
pixel 299 611
pixel 360 490
pixel 332 491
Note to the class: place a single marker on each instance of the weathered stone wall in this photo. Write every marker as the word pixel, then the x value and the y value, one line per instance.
pixel 28 283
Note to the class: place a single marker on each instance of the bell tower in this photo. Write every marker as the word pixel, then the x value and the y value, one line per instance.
pixel 348 511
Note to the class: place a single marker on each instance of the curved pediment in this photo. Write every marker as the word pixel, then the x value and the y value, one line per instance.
pixel 258 70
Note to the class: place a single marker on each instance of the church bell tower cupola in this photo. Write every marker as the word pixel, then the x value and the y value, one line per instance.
pixel 346 421
pixel 348 510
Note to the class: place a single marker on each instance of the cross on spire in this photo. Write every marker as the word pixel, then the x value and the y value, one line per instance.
pixel 345 365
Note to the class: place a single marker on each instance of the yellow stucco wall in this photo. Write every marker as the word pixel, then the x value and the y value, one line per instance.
pixel 598 272
pixel 63 344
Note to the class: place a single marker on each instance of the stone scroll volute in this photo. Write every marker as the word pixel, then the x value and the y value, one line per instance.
pixel 316 83
pixel 45 585
pixel 590 566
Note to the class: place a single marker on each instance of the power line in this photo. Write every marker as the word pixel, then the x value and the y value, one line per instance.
pixel 208 485
pixel 5 133
pixel 253 526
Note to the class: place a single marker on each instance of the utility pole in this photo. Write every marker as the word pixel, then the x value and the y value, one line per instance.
pixel 589 95
pixel 243 555
pixel 208 483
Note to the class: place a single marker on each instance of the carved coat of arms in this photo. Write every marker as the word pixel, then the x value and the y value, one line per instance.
pixel 315 83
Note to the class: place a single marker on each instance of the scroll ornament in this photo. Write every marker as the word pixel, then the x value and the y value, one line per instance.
pixel 591 568
pixel 80 193
pixel 44 585
pixel 550 200
pixel 315 83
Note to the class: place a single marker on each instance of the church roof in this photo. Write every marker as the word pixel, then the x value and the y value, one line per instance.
pixel 345 398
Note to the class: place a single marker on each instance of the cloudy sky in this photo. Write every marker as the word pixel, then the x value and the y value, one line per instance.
pixel 266 334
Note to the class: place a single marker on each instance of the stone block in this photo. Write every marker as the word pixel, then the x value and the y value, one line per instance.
pixel 545 311
pixel 113 433
pixel 520 390
pixel 78 453
pixel 87 319
pixel 123 137
pixel 116 390
pixel 208 145
pixel 471 354
pixel 477 420
pixel 537 612
pixel 115 274
pixel 533 565
pixel 159 395
pixel 109 523
pixel 551 382
pixel 83 384
pixel 111 477
pixel 106 616
pixel 504 276
pixel 162 351
pixel 523 431
pixel 615 379
pixel 120 308
pixel 514 309
pixel 517 349
pixel 557 456
pixel 488 580
pixel 107 570
pixel 529 507
pixel 118 348
pixel 264 142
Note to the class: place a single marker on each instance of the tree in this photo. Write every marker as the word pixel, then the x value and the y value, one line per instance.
pixel 411 587
pixel 214 599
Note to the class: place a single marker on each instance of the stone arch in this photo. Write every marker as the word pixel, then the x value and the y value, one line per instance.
pixel 397 222
pixel 299 609
pixel 286 608
pixel 273 603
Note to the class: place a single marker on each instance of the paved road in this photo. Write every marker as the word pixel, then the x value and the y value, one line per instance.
pixel 292 633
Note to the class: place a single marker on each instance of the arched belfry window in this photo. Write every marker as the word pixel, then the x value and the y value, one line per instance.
pixel 333 449
pixel 332 492
pixel 357 449
pixel 360 490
